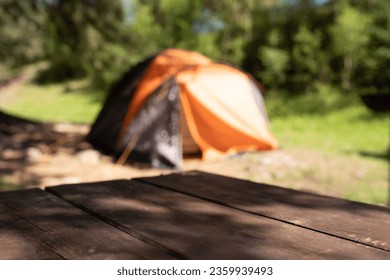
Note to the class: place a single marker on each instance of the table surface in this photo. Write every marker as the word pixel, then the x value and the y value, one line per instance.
pixel 191 215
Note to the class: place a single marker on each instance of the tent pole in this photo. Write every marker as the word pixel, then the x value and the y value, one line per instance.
pixel 126 152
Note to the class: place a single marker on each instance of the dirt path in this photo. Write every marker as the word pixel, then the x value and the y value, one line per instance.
pixel 39 155
pixel 8 88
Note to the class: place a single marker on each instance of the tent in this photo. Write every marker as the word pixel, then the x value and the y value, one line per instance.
pixel 180 102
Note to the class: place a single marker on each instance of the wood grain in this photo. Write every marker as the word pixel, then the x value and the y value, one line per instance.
pixel 198 229
pixel 20 239
pixel 363 223
pixel 38 225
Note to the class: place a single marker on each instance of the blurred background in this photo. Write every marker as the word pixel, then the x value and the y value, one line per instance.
pixel 316 58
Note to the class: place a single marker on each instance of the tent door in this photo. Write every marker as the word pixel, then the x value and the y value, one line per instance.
pixel 156 129
pixel 190 148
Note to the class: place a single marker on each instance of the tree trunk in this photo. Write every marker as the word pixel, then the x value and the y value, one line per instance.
pixel 347 72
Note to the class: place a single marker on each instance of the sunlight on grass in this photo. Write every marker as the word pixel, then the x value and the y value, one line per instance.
pixel 351 129
pixel 371 188
pixel 55 103
pixel 349 145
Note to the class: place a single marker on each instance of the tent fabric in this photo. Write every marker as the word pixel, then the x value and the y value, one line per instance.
pixel 104 131
pixel 156 128
pixel 218 100
pixel 222 107
pixel 167 64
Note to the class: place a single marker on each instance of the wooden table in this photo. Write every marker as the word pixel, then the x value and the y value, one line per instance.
pixel 190 215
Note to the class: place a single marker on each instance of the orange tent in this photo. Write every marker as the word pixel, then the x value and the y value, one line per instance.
pixel 180 101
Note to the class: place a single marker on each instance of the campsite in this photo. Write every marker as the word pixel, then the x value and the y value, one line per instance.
pixel 195 130
pixel 54 151
pixel 329 142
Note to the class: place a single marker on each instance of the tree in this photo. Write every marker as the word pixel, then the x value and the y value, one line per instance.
pixel 309 61
pixel 275 60
pixel 187 24
pixel 237 18
pixel 81 37
pixel 351 36
pixel 284 43
pixel 144 36
pixel 374 72
pixel 21 37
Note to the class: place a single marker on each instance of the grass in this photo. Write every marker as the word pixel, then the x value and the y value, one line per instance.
pixel 349 130
pixel 71 102
pixel 346 146
pixel 329 121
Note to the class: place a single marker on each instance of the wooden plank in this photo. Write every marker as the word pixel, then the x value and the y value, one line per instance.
pixel 70 232
pixel 363 223
pixel 19 239
pixel 198 229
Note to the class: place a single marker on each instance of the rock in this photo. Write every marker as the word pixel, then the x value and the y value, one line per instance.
pixel 70 180
pixel 71 128
pixel 278 159
pixel 34 154
pixel 89 156
pixel 11 154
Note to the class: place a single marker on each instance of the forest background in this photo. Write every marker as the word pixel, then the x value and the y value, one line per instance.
pixel 293 46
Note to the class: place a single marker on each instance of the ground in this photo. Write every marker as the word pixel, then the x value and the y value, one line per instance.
pixel 45 154
pixel 41 154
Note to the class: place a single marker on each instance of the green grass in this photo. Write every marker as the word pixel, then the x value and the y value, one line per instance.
pixel 70 102
pixel 348 143
pixel 349 130
pixel 328 120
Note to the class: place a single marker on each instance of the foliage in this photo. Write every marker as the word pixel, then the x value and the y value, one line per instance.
pixel 21 37
pixel 275 61
pixel 287 45
pixel 143 34
pixel 309 61
pixel 350 37
pixel 374 72
pixel 83 38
